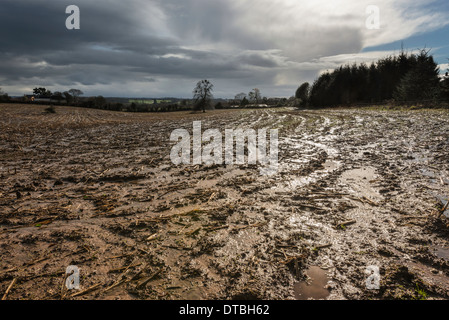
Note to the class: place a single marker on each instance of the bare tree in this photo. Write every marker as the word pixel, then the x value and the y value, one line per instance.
pixel 254 96
pixel 76 93
pixel 68 97
pixel 202 94
pixel 240 96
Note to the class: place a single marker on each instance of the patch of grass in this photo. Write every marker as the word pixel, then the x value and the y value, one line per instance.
pixel 420 293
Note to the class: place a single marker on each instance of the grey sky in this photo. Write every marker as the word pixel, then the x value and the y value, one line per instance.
pixel 156 48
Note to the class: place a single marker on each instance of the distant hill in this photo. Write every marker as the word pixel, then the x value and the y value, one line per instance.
pixel 142 100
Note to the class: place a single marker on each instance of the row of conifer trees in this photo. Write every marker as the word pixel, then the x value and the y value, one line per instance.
pixel 403 78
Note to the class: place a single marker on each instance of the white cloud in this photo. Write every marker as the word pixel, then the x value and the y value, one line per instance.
pixel 305 29
pixel 304 36
pixel 444 68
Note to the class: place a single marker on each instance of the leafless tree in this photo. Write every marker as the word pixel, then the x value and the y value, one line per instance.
pixel 202 94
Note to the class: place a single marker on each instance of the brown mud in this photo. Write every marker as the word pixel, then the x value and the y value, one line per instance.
pixel 96 189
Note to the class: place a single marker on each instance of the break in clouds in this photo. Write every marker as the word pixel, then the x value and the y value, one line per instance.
pixel 163 47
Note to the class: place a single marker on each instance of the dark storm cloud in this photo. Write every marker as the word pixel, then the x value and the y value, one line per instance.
pixel 168 45
pixel 34 27
pixel 115 41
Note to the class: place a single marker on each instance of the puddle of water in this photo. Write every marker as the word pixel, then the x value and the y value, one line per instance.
pixel 418 158
pixel 330 165
pixel 428 173
pixel 330 151
pixel 359 181
pixel 299 161
pixel 366 173
pixel 297 221
pixel 315 288
pixel 211 183
pixel 300 182
pixel 207 184
pixel 441 252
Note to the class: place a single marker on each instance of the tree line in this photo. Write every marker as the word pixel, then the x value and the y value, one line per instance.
pixel 71 96
pixel 403 79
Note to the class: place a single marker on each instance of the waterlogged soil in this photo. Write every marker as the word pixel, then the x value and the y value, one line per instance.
pixel 355 188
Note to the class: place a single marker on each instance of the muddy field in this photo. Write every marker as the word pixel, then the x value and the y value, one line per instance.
pixel 97 190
